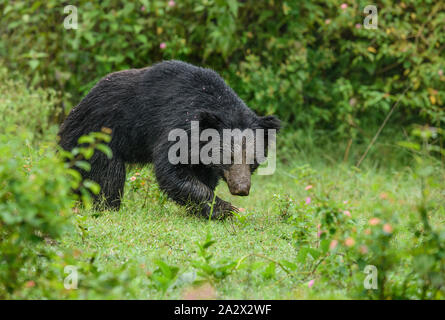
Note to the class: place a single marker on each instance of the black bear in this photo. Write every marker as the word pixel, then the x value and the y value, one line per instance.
pixel 141 107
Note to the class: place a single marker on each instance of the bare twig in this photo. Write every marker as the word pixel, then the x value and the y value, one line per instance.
pixel 345 158
pixel 382 126
pixel 264 257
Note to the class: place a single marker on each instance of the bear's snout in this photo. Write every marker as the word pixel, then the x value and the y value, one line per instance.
pixel 238 179
pixel 240 189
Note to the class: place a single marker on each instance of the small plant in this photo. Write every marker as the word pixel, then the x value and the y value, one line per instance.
pixel 164 276
pixel 34 205
pixel 242 217
pixel 285 205
pixel 142 182
pixel 209 270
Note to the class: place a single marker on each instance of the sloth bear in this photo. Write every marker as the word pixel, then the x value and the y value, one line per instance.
pixel 142 107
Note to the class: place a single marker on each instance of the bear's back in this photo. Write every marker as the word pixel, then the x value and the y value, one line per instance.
pixel 142 105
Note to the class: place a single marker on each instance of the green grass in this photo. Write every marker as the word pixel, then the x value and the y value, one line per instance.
pixel 149 227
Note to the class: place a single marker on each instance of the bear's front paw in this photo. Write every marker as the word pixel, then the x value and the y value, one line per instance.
pixel 224 211
pixel 221 210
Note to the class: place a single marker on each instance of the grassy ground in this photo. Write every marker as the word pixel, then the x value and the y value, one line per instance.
pixel 149 227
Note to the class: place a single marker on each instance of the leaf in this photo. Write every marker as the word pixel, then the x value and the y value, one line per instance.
pixel 409 145
pixel 289 265
pixel 324 245
pixel 105 149
pixel 302 254
pixel 208 243
pixel 87 153
pixel 269 272
pixel 34 64
pixel 233 6
pixel 433 99
pixel 86 139
pixel 93 186
pixel 83 165
pixel 314 253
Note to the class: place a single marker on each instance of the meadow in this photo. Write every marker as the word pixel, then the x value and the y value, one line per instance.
pixel 259 254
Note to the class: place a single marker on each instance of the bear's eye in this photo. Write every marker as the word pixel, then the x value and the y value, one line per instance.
pixel 254 166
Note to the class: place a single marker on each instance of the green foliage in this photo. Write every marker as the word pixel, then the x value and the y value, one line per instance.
pixel 34 205
pixel 143 182
pixel 35 211
pixel 164 276
pixel 428 253
pixel 312 63
pixel 241 219
pixel 21 108
pixel 405 246
pixel 77 159
pixel 36 198
pixel 208 269
pixel 422 255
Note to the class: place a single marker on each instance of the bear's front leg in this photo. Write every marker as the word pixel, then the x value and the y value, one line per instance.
pixel 184 188
pixel 221 209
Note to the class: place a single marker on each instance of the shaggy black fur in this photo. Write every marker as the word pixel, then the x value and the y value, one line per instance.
pixel 141 106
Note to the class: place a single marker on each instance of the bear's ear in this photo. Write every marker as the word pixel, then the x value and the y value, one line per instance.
pixel 270 122
pixel 208 119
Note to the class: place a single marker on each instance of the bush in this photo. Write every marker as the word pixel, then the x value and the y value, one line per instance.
pixel 24 109
pixel 36 199
pixel 34 206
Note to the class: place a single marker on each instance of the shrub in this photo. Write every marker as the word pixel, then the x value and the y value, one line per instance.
pixel 25 109
pixel 34 205
pixel 35 195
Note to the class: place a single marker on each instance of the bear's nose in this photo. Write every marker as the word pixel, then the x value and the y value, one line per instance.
pixel 241 189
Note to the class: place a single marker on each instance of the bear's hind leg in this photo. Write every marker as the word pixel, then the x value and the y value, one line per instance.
pixel 110 175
